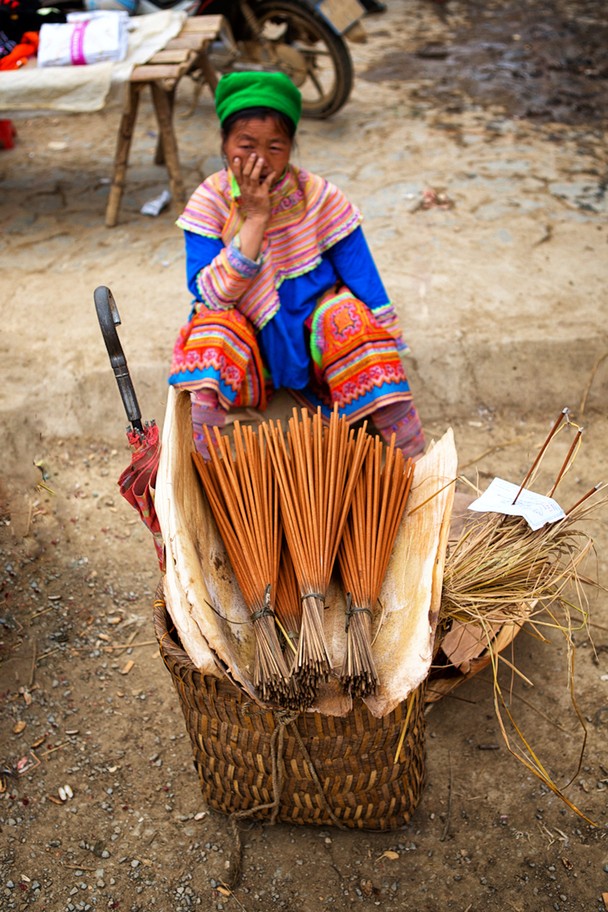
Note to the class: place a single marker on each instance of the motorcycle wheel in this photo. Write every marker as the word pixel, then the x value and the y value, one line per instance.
pixel 309 52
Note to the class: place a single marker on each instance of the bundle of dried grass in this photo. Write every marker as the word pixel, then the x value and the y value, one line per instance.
pixel 242 493
pixel 377 507
pixel 501 575
pixel 500 569
pixel 317 469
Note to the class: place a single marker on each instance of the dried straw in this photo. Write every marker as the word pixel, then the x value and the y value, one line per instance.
pixel 242 493
pixel 367 542
pixel 317 469
pixel 500 567
pixel 501 572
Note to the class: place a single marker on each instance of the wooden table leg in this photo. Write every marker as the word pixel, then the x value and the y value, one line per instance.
pixel 159 155
pixel 204 64
pixel 164 117
pixel 121 159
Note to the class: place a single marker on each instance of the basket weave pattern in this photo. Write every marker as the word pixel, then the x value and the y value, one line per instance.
pixel 303 768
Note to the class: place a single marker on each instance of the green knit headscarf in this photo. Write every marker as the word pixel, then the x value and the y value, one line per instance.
pixel 239 91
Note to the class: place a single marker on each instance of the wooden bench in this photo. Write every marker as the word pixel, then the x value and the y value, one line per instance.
pixel 184 55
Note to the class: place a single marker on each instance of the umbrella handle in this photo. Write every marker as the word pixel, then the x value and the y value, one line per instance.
pixel 109 319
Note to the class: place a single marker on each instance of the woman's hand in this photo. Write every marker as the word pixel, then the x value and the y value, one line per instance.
pixel 254 180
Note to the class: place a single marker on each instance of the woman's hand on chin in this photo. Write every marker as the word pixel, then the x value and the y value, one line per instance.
pixel 255 183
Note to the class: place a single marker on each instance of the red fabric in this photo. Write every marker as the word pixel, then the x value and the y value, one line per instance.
pixel 27 47
pixel 138 482
pixel 7 134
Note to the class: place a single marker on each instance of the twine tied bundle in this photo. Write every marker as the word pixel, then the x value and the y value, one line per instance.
pixel 285 503
pixel 377 507
pixel 242 493
pixel 316 470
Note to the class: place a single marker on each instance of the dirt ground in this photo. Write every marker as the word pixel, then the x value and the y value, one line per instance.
pixel 501 285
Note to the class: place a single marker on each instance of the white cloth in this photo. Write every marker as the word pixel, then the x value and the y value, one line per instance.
pixel 83 15
pixel 87 88
pixel 84 42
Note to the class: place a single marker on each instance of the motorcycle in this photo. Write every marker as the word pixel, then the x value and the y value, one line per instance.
pixel 306 39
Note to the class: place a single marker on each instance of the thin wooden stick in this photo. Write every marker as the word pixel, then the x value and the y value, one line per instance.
pixel 564 412
pixel 568 460
pixel 288 604
pixel 243 498
pixel 590 492
pixel 367 541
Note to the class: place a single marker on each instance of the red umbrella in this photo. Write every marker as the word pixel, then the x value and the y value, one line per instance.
pixel 138 481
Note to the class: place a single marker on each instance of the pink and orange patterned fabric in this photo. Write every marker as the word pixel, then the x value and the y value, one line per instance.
pixel 221 350
pixel 356 362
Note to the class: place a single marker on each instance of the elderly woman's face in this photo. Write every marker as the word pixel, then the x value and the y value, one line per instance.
pixel 260 138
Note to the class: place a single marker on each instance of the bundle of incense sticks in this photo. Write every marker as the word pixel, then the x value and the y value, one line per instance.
pixel 288 504
pixel 242 493
pixel 317 469
pixel 377 507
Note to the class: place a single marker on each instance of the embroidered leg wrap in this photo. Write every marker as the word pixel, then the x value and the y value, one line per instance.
pixel 401 419
pixel 206 410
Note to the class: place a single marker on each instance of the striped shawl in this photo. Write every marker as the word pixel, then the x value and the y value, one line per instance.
pixel 309 215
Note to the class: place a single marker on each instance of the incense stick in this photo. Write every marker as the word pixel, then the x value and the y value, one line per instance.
pixel 242 494
pixel 376 511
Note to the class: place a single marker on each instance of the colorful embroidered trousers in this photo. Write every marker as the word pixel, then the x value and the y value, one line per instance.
pixel 354 364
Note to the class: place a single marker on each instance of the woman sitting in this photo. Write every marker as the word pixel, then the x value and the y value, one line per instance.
pixel 287 294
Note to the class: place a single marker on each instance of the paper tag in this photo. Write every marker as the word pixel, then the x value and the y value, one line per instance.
pixel 536 509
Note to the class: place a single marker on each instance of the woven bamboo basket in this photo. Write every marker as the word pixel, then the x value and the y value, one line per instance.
pixel 306 768
pixel 344 762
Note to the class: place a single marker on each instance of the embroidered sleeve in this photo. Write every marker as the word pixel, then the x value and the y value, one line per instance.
pixel 241 262
pixel 388 320
pixel 217 275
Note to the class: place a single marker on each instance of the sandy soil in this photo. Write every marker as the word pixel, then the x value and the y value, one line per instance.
pixel 502 293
